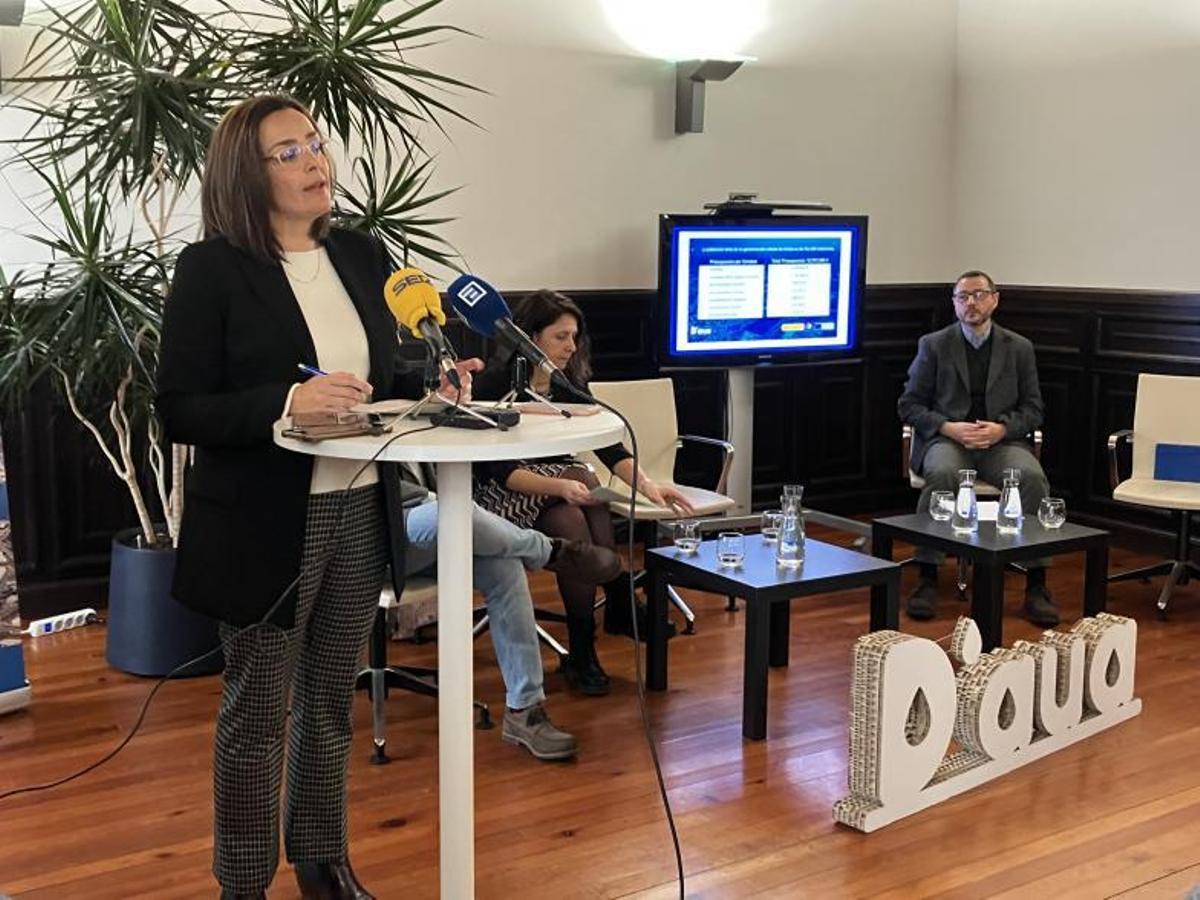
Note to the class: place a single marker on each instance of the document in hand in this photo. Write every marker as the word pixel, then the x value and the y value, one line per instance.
pixel 613 495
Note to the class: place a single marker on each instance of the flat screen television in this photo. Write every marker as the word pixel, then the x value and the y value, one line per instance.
pixel 759 289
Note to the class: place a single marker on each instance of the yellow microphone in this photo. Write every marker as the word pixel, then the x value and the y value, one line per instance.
pixel 416 306
pixel 413 299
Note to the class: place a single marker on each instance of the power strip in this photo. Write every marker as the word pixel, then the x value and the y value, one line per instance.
pixel 61 622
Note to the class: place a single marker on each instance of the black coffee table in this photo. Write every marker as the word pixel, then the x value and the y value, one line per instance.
pixel 991 551
pixel 766 589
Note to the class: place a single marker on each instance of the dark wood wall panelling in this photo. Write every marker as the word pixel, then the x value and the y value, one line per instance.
pixel 831 426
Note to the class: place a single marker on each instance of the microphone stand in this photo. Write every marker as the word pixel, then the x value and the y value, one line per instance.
pixel 565 413
pixel 432 383
pixel 520 384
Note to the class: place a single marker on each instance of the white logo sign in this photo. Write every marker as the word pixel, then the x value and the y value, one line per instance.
pixel 471 293
pixel 1005 708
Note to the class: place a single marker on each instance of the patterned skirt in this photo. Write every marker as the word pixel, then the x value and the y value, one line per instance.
pixel 521 509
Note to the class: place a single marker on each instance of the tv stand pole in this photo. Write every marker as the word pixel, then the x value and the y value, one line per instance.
pixel 741 435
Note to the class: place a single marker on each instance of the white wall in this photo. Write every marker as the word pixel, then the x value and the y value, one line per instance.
pixel 1051 143
pixel 15 184
pixel 1078 128
pixel 850 101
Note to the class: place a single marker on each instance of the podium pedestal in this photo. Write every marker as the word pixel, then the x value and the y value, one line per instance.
pixel 453 451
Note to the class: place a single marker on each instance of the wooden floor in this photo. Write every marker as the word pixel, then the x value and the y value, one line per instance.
pixel 1116 815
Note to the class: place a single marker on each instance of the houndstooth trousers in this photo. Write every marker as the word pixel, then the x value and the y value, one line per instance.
pixel 318 660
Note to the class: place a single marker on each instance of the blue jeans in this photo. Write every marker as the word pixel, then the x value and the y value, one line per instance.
pixel 502 553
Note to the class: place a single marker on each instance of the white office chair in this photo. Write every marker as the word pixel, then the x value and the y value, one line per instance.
pixel 1163 427
pixel 983 490
pixel 650 407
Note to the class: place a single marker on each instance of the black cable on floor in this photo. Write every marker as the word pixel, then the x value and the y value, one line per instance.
pixel 639 677
pixel 264 622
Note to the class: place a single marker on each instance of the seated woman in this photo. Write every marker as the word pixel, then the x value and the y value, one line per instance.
pixel 553 495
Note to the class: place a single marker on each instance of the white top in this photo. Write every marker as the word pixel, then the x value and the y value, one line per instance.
pixel 341 343
pixel 535 436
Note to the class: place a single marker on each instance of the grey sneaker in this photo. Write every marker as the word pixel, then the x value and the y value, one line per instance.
pixel 533 730
pixel 922 603
pixel 1039 607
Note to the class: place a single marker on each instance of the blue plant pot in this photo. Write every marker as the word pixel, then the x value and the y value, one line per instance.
pixel 149 632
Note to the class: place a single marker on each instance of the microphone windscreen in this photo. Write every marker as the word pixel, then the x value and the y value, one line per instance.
pixel 411 297
pixel 477 303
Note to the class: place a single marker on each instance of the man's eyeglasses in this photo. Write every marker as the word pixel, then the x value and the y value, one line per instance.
pixel 978 296
pixel 293 153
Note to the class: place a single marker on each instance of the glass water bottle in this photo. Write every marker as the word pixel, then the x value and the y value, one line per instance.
pixel 966 505
pixel 1008 520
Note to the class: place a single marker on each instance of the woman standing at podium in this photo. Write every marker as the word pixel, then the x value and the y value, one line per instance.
pixel 553 495
pixel 287 552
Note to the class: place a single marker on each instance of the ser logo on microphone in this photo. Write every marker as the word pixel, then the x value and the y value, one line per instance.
pixel 471 293
pixel 399 284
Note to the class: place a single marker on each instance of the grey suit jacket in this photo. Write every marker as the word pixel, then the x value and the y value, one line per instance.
pixel 938 388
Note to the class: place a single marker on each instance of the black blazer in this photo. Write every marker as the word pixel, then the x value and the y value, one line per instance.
pixel 939 389
pixel 232 337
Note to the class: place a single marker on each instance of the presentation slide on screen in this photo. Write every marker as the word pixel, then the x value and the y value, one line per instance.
pixel 770 289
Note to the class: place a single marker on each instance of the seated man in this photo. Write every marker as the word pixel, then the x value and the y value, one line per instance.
pixel 972 398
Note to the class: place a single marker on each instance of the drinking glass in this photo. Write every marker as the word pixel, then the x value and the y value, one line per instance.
pixel 941 505
pixel 687 537
pixel 1052 512
pixel 731 548
pixel 771 520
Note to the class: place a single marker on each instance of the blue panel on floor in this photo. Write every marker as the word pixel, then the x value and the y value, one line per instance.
pixel 12 666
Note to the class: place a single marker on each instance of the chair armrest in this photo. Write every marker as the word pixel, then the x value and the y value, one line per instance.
pixel 1114 443
pixel 726 462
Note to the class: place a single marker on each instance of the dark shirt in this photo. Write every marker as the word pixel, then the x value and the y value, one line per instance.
pixel 978 362
pixel 492 384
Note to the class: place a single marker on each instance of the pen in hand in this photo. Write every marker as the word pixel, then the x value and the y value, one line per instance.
pixel 314 371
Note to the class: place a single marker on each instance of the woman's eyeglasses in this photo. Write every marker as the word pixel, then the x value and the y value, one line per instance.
pixel 293 153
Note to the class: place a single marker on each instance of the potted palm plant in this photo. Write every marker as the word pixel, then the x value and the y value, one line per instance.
pixel 123 96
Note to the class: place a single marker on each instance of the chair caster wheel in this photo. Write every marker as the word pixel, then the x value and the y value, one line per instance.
pixel 962 595
pixel 689 628
pixel 1161 615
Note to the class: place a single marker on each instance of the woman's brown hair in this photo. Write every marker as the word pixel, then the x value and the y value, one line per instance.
pixel 543 308
pixel 235 195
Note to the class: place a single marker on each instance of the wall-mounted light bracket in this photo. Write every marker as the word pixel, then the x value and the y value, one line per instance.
pixel 690 78
pixel 12 12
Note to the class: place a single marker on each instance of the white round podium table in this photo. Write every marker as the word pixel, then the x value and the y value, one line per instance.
pixel 453 450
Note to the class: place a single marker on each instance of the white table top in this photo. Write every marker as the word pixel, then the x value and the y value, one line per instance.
pixel 535 436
